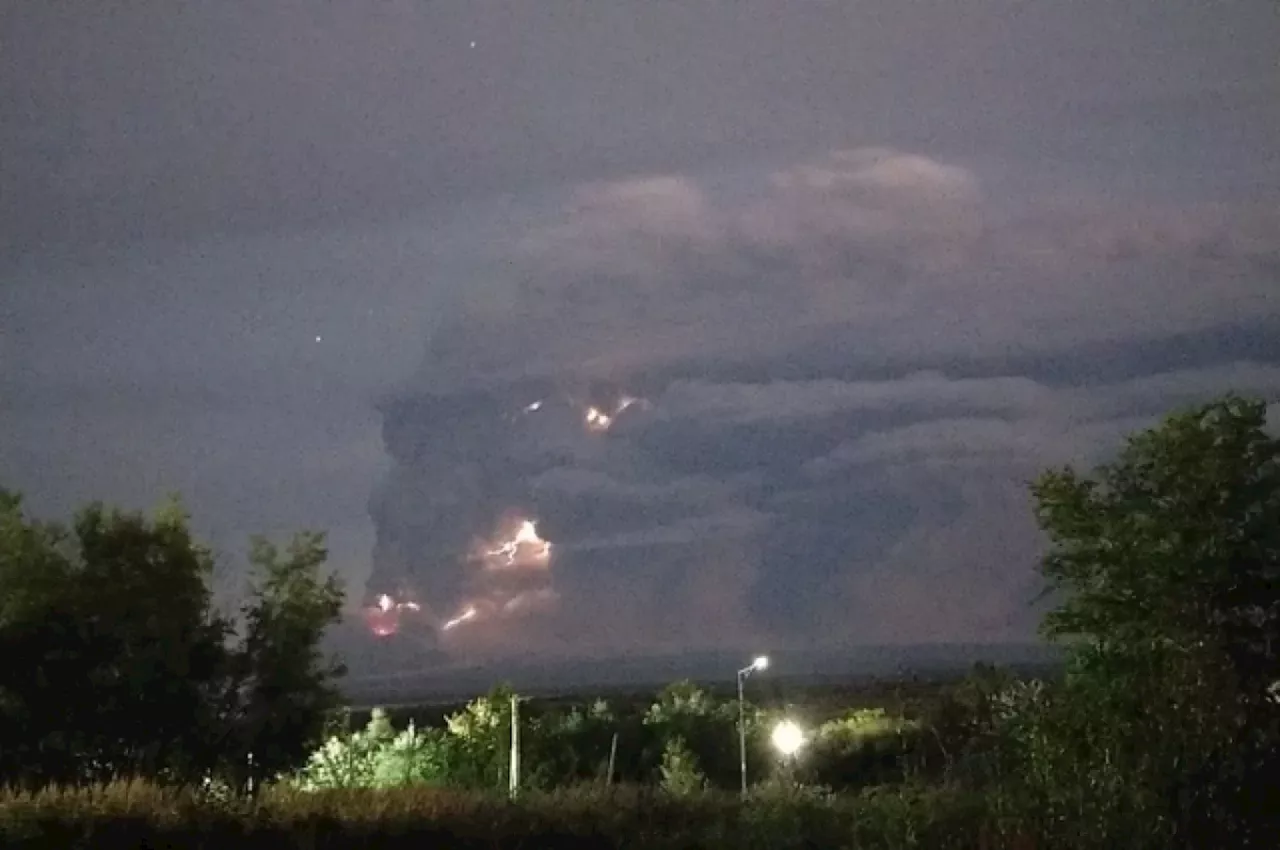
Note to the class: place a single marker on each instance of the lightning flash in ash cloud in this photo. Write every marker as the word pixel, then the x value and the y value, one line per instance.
pixel 524 548
pixel 468 613
pixel 513 579
pixel 597 418
pixel 384 617
pixel 598 421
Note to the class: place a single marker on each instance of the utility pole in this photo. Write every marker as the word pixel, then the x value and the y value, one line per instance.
pixel 613 758
pixel 742 732
pixel 514 772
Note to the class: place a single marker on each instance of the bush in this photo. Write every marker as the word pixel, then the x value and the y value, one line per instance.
pixel 862 748
pixel 680 772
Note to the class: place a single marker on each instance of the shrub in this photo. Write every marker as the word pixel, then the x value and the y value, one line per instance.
pixel 862 748
pixel 349 761
pixel 680 772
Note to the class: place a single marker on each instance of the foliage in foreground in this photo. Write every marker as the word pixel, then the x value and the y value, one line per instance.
pixel 1166 732
pixel 146 816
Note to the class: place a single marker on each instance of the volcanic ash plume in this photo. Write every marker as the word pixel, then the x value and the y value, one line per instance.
pixel 450 539
pixel 453 472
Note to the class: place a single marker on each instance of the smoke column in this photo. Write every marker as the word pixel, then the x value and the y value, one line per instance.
pixel 460 552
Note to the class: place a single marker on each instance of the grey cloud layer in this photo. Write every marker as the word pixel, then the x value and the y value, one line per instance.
pixel 141 121
pixel 893 248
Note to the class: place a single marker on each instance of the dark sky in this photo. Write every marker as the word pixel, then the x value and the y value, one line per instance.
pixel 873 263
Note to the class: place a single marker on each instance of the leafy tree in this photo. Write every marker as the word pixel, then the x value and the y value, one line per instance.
pixel 111 646
pixel 570 747
pixel 414 757
pixel 281 687
pixel 1166 567
pixel 709 728
pixel 480 751
pixel 1050 768
pixel 959 734
pixel 117 665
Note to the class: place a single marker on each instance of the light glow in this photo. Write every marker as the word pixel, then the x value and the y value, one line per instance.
pixel 787 738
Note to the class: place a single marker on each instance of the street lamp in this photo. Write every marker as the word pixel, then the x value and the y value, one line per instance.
pixel 513 772
pixel 761 663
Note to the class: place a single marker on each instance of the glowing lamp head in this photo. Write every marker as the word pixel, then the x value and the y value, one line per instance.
pixel 787 738
pixel 761 663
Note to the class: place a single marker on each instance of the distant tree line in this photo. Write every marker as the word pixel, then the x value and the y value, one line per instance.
pixel 685 741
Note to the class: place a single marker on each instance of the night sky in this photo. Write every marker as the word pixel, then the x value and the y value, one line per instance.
pixel 870 264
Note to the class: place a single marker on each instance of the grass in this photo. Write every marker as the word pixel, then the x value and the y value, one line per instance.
pixel 144 816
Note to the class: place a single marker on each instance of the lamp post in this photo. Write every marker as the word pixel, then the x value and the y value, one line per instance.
pixel 513 772
pixel 761 663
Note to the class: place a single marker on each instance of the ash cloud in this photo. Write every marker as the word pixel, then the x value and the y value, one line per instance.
pixel 578 208
pixel 849 371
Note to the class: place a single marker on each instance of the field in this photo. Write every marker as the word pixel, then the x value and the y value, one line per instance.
pixel 145 817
